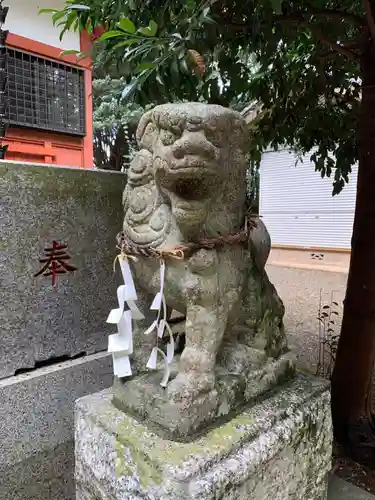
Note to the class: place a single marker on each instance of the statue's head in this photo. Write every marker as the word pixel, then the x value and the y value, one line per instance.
pixel 198 163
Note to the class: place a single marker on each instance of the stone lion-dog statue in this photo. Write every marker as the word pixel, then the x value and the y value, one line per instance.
pixel 187 184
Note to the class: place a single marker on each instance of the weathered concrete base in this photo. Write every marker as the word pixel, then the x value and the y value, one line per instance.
pixel 280 449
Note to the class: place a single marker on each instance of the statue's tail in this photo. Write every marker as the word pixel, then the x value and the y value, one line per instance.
pixel 261 243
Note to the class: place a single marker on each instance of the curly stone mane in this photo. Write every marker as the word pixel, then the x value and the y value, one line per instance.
pixel 147 216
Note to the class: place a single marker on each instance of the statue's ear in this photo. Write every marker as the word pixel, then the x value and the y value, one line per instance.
pixel 243 135
pixel 146 131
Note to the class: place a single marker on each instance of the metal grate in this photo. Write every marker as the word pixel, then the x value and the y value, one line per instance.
pixel 44 94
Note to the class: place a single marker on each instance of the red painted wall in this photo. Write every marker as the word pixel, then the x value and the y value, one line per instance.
pixel 31 145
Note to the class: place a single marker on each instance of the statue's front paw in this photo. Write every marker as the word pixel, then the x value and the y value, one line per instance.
pixel 188 387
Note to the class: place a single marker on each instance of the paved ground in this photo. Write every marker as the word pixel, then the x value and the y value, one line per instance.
pixel 300 290
pixel 340 490
pixel 302 286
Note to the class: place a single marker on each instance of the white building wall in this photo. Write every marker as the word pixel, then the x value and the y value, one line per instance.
pixel 297 205
pixel 23 20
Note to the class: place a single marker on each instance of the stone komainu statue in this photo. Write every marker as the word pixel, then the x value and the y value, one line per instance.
pixel 188 183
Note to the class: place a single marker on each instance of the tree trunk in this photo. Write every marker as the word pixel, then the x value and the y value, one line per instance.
pixel 100 157
pixel 116 158
pixel 352 375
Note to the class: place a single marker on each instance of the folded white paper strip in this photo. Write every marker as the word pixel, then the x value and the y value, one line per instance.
pixel 136 313
pixel 152 327
pixel 125 329
pixel 161 328
pixel 120 344
pixel 121 365
pixel 128 278
pixel 117 343
pixel 160 325
pixel 157 302
pixel 170 345
pixel 152 364
pixel 152 360
pixel 115 315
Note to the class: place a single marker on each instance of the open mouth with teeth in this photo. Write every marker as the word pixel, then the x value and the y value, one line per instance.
pixel 188 195
pixel 190 189
pixel 190 183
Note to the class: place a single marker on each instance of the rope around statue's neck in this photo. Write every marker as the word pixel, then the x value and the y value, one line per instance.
pixel 121 344
pixel 185 250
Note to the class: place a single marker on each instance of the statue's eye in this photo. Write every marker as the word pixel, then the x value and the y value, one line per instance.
pixel 167 137
pixel 214 136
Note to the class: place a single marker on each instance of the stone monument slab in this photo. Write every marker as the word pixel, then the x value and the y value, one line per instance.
pixel 40 204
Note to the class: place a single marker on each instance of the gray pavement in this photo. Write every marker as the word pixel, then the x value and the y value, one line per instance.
pixel 300 289
pixel 341 490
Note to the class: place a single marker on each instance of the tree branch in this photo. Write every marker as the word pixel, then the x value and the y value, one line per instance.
pixel 316 32
pixel 337 14
pixel 370 19
pixel 340 49
pixel 304 20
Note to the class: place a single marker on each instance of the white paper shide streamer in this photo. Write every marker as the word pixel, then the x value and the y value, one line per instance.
pixel 158 327
pixel 120 344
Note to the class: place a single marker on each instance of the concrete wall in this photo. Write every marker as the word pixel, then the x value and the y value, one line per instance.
pixel 36 427
pixel 23 19
pixel 297 205
pixel 53 337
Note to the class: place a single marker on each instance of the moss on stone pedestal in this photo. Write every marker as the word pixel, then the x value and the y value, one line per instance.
pixel 281 444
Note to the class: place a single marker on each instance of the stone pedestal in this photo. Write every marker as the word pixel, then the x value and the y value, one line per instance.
pixel 279 448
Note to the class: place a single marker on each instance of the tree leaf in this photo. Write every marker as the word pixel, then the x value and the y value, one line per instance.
pixel 144 31
pixel 57 16
pixel 70 52
pixel 129 90
pixel 70 20
pixel 277 6
pixel 184 66
pixel 110 34
pixel 89 27
pixel 79 7
pixel 125 43
pixel 153 28
pixel 126 25
pixel 61 36
pixel 47 11
pixel 144 66
pixel 175 71
pixel 150 30
pixel 159 79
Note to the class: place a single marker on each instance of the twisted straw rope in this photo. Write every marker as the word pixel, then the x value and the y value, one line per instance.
pixel 185 250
